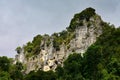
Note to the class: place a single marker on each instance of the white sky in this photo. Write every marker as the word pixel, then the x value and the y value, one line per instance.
pixel 21 20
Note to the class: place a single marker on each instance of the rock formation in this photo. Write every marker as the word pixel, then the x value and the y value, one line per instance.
pixel 48 58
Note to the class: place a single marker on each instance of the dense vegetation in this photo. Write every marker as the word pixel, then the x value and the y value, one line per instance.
pixel 78 18
pixel 31 48
pixel 10 71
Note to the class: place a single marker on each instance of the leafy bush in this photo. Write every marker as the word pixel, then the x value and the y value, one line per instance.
pixel 4 76
pixel 77 20
pixel 41 75
pixel 33 47
pixel 4 64
pixel 18 49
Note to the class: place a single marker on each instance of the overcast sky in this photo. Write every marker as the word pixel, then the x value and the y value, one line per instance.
pixel 21 20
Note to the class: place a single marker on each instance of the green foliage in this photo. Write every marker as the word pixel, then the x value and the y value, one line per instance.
pixel 48 42
pixel 102 58
pixel 4 63
pixel 62 37
pixel 16 73
pixel 33 48
pixel 56 41
pixel 63 34
pixel 41 75
pixel 37 40
pixel 78 18
pixel 59 71
pixel 72 69
pixel 36 49
pixel 92 58
pixel 56 45
pixel 73 66
pixel 29 47
pixel 19 66
pixel 36 44
pixel 86 14
pixel 9 71
pixel 18 49
pixel 4 75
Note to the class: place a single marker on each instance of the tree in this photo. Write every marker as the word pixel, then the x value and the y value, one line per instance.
pixel 72 68
pixel 4 63
pixel 4 75
pixel 16 73
pixel 18 49
pixel 41 75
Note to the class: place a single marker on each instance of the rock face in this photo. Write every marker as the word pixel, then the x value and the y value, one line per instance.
pixel 49 58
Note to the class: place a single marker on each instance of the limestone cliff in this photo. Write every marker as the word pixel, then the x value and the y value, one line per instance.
pixel 85 32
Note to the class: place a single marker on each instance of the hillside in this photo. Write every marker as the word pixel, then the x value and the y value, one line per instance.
pixel 46 52
pixel 89 49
